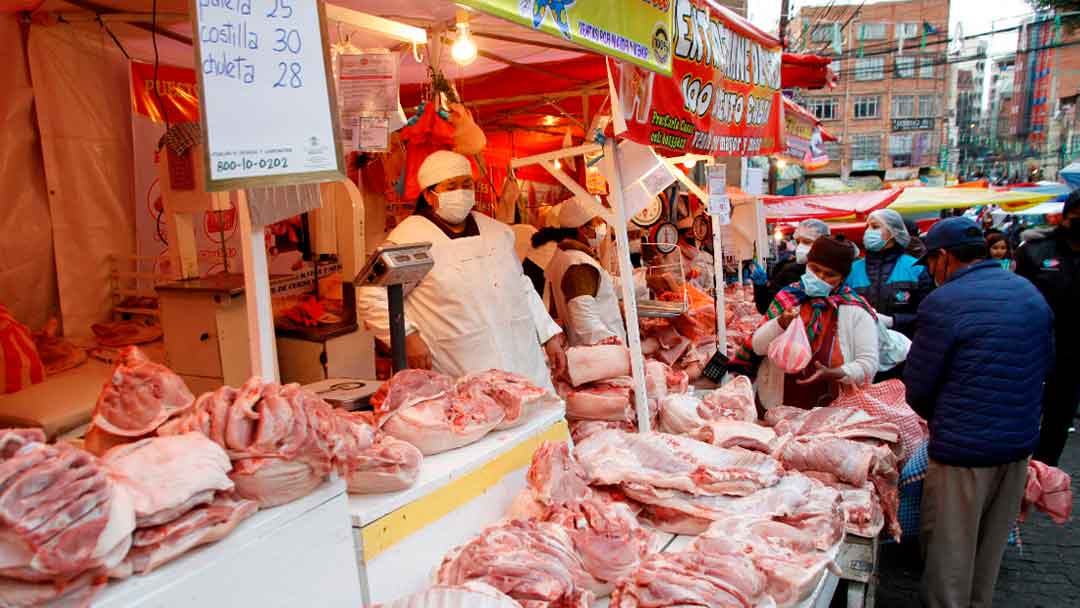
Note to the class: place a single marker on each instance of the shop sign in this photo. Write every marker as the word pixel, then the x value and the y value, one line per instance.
pixel 723 98
pixel 804 141
pixel 865 165
pixel 269 116
pixel 912 124
pixel 637 31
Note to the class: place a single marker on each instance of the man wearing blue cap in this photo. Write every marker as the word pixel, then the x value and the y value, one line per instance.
pixel 983 348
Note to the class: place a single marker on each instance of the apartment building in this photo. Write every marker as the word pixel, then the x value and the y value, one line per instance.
pixel 890 57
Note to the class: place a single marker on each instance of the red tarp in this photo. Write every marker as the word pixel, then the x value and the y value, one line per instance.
pixel 846 203
pixel 782 208
pixel 806 71
pixel 711 105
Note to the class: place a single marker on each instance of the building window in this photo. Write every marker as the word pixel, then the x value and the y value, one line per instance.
pixel 872 31
pixel 900 149
pixel 866 106
pixel 1075 145
pixel 869 68
pixel 824 32
pixel 905 67
pixel 907 31
pixel 866 147
pixel 927 63
pixel 928 106
pixel 832 149
pixel 903 106
pixel 823 107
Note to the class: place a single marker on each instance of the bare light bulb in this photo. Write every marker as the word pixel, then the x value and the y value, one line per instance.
pixel 558 164
pixel 689 163
pixel 464 49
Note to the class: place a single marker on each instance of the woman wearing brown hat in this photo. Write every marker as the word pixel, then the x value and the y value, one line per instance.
pixel 840 326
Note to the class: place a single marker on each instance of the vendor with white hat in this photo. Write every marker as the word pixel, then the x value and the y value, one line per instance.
pixel 582 291
pixel 474 310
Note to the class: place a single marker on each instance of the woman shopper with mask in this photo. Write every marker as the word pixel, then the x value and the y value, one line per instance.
pixel 474 310
pixel 582 291
pixel 839 323
pixel 887 277
pixel 789 269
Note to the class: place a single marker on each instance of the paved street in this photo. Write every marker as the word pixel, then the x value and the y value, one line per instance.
pixel 1044 573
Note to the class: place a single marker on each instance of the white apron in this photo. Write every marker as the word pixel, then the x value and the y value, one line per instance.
pixel 607 302
pixel 470 309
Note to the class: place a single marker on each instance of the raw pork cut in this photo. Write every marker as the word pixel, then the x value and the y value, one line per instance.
pixel 601 362
pixel 533 562
pixel 429 411
pixel 168 476
pixel 785 498
pixel 843 422
pixel 606 400
pixel 138 397
pixel 517 395
pixel 861 506
pixel 77 592
pixel 208 523
pixel 732 401
pixel 674 462
pixel 850 461
pixel 60 514
pixel 1049 489
pixel 374 462
pixel 472 594
pixel 582 429
pixel 734 433
pixel 685 579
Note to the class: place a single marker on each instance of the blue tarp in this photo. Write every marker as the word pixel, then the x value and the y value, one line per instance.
pixel 1060 191
pixel 1071 175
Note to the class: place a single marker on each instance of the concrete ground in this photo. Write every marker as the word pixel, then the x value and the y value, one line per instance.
pixel 1043 573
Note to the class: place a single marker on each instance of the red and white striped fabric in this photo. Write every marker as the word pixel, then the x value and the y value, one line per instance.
pixel 888 401
pixel 18 356
pixel 791 350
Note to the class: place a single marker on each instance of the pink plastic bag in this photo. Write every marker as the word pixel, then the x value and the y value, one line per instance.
pixel 791 351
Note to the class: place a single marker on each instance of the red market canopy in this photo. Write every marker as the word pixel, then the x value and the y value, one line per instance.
pixel 806 71
pixel 784 208
pixel 823 206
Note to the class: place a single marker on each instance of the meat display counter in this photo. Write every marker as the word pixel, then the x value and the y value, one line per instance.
pixel 279 557
pixel 402 537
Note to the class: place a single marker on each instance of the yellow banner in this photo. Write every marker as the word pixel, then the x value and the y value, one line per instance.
pixel 638 31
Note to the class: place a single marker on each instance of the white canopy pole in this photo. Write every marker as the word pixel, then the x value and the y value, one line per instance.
pixel 260 316
pixel 718 277
pixel 626 270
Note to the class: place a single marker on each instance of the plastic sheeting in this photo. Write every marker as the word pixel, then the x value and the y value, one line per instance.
pixel 27 278
pixel 81 91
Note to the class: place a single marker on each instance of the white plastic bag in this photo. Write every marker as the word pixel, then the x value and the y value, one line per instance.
pixel 893 347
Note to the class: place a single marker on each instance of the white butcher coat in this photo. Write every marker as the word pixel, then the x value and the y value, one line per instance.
pixel 475 310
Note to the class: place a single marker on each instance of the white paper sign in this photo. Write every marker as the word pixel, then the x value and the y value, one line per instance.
pixel 754 178
pixel 267 107
pixel 719 204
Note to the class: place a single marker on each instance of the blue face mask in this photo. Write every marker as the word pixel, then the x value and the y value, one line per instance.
pixel 814 286
pixel 872 240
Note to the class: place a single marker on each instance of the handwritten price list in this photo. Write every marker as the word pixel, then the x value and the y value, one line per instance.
pixel 265 90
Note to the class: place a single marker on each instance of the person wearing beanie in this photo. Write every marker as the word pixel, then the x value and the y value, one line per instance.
pixel 840 326
pixel 580 289
pixel 475 310
pixel 975 371
pixel 1052 263
pixel 887 276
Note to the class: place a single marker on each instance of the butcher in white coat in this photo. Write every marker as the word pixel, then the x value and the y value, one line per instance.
pixel 582 290
pixel 474 310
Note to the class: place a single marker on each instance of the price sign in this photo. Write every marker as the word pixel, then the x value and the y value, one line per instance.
pixel 268 111
pixel 719 204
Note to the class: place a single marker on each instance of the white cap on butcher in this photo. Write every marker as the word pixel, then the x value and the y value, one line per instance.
pixel 577 211
pixel 442 165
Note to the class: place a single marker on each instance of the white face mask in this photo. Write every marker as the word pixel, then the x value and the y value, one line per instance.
pixel 601 235
pixel 801 252
pixel 455 205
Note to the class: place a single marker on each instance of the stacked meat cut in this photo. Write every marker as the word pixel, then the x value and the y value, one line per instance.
pixel 435 413
pixel 137 399
pixel 601 392
pixel 849 450
pixel 284 441
pixel 63 522
pixel 741 315
pixel 183 497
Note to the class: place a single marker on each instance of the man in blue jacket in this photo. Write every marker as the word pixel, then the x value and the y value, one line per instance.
pixel 983 348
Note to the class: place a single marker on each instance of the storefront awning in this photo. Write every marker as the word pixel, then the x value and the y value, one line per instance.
pixel 806 71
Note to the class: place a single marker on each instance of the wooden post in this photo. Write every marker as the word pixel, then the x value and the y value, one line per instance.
pixel 626 270
pixel 260 315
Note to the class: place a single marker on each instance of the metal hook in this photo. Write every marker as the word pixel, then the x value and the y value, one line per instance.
pixel 417 57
